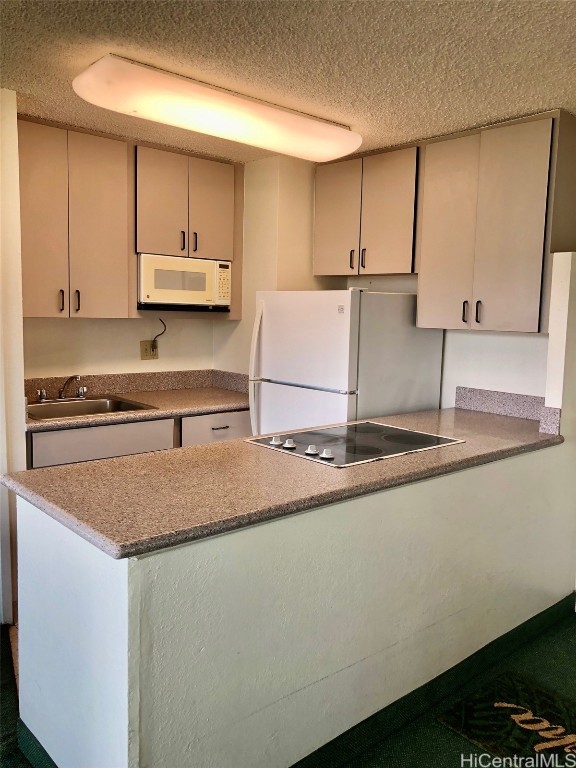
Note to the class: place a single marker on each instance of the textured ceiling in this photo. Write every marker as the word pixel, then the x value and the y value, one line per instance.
pixel 393 71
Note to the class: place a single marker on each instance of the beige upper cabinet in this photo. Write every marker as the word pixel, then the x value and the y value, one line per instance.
pixel 510 226
pixel 211 209
pixel 364 215
pixel 98 183
pixel 43 157
pixel 184 205
pixel 161 202
pixel 449 190
pixel 74 222
pixel 387 222
pixel 338 195
pixel 482 227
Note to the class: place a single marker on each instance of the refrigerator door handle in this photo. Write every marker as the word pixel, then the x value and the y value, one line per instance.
pixel 253 403
pixel 255 341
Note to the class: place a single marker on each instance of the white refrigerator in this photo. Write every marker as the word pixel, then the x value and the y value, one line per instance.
pixel 326 357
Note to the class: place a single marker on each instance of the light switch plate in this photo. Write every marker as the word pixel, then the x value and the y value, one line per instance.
pixel 147 352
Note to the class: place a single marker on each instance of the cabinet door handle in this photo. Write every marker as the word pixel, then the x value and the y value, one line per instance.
pixel 478 305
pixel 215 429
pixel 62 295
pixel 77 300
pixel 195 242
pixel 182 240
pixel 363 258
pixel 464 311
pixel 352 259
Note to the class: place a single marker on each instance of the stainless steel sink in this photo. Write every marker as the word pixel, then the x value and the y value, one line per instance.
pixel 64 409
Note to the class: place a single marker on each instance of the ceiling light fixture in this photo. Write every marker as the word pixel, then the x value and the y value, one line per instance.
pixel 143 91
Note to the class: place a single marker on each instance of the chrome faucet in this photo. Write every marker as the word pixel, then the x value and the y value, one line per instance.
pixel 63 389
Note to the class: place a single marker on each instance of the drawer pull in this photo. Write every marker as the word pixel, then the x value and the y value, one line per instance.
pixel 215 429
pixel 478 305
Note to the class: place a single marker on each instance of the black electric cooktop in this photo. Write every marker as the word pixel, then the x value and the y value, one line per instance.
pixel 347 444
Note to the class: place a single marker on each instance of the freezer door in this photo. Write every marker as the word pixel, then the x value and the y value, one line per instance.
pixel 309 338
pixel 279 408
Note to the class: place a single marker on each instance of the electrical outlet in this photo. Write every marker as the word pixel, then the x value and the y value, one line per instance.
pixel 147 352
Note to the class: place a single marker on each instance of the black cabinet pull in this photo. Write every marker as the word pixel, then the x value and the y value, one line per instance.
pixel 464 311
pixel 215 429
pixel 77 300
pixel 195 242
pixel 62 295
pixel 478 305
pixel 363 258
pixel 352 259
pixel 182 240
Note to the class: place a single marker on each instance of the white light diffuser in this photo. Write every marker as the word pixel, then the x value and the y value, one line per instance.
pixel 142 91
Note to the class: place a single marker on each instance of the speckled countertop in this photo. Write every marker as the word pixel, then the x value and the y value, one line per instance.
pixel 137 504
pixel 167 403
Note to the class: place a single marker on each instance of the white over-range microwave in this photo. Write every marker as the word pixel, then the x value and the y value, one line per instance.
pixel 174 282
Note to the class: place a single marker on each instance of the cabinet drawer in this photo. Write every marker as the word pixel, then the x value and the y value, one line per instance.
pixel 214 427
pixel 68 446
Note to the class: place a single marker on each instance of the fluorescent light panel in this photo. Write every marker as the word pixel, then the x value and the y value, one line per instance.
pixel 152 94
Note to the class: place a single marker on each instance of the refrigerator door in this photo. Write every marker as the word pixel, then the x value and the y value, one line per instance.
pixel 280 408
pixel 400 365
pixel 309 338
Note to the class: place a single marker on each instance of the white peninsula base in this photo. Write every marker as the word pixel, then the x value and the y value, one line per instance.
pixel 253 648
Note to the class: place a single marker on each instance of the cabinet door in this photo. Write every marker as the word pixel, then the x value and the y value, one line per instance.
pixel 98 179
pixel 161 202
pixel 387 226
pixel 214 427
pixel 449 189
pixel 338 195
pixel 44 219
pixel 211 209
pixel 68 446
pixel 512 195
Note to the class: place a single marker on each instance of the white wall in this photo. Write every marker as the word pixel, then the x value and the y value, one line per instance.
pixel 12 445
pixel 506 362
pixel 71 590
pixel 278 227
pixel 62 347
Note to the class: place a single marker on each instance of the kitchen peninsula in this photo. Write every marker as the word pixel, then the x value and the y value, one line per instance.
pixel 198 620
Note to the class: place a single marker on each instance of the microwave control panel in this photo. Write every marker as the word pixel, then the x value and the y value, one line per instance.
pixel 224 282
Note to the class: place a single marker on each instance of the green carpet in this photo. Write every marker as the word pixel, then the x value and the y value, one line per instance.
pixel 511 716
pixel 10 754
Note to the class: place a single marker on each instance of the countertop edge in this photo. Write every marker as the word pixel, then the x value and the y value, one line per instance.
pixel 216 527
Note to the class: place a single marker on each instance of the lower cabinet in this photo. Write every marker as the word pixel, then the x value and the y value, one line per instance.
pixel 229 425
pixel 67 446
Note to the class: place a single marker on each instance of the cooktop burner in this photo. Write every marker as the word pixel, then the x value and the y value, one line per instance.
pixel 347 444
